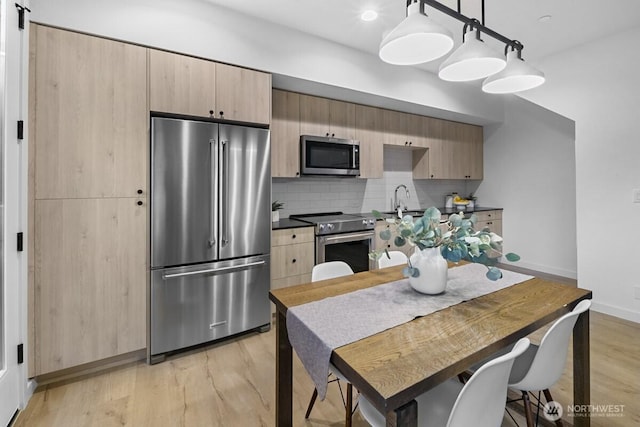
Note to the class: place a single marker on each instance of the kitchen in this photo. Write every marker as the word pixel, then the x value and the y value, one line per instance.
pixel 531 192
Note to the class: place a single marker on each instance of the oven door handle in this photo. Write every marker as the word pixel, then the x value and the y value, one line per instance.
pixel 349 237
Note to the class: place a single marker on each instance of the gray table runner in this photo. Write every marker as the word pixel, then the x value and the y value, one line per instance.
pixel 317 328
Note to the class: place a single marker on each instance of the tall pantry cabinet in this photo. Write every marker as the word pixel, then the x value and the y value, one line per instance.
pixel 88 214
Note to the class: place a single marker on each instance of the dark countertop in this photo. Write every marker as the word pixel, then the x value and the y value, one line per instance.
pixel 447 211
pixel 285 223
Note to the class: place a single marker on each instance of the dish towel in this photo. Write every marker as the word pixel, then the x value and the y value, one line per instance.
pixel 317 328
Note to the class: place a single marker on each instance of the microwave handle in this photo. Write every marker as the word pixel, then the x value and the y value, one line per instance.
pixel 356 157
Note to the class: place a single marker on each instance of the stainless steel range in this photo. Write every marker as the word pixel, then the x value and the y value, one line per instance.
pixel 343 237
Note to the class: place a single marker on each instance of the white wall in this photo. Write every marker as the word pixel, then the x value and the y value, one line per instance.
pixel 597 86
pixel 199 28
pixel 529 170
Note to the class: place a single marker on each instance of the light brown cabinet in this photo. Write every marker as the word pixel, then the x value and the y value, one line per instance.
pixel 327 117
pixel 441 149
pixel 292 256
pixel 90 270
pixel 88 211
pixel 455 151
pixel 90 107
pixel 369 129
pixel 285 135
pixel 182 84
pixel 491 220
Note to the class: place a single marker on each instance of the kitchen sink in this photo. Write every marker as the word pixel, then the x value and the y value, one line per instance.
pixel 415 213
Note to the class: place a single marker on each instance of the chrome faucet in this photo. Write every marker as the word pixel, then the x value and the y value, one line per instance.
pixel 396 204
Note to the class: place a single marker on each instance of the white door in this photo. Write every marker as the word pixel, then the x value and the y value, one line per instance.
pixel 12 209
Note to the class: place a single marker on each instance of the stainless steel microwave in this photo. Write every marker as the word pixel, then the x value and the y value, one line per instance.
pixel 320 155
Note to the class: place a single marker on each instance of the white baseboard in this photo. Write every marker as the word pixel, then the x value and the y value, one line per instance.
pixel 623 313
pixel 30 388
pixel 545 269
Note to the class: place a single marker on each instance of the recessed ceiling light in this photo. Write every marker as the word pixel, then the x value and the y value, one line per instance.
pixel 544 18
pixel 369 15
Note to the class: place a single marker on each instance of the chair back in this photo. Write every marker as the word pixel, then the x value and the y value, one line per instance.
pixel 394 258
pixel 329 270
pixel 551 356
pixel 483 398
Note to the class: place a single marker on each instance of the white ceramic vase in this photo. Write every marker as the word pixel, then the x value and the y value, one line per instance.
pixel 433 271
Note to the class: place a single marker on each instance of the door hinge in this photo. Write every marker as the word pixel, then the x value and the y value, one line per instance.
pixel 20 245
pixel 21 10
pixel 20 129
pixel 20 353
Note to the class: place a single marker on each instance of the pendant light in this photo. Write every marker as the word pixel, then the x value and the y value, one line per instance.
pixel 472 61
pixel 416 39
pixel 516 76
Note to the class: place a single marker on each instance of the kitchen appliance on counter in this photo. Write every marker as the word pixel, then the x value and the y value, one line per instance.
pixel 210 232
pixel 331 156
pixel 343 237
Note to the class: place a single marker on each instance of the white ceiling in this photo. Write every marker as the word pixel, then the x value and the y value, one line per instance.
pixel 573 22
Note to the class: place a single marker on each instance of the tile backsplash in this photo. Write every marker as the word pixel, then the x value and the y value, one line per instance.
pixel 354 195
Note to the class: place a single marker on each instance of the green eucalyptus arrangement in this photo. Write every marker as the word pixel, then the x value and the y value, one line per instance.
pixel 457 239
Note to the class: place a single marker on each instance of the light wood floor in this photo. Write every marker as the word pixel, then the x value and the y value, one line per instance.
pixel 233 384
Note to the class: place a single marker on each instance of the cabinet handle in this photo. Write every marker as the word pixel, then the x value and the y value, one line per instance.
pixel 333 135
pixel 293 261
pixel 297 173
pixel 293 237
pixel 139 191
pixel 222 114
pixel 139 203
pixel 431 175
pixel 327 134
pixel 211 116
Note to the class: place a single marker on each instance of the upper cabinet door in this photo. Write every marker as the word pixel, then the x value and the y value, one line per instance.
pixel 285 135
pixel 91 109
pixel 243 95
pixel 395 128
pixel 181 84
pixel 314 116
pixel 342 119
pixel 368 131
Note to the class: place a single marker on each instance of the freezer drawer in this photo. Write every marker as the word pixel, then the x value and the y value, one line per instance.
pixel 195 304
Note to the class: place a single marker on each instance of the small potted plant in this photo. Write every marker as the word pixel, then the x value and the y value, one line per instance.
pixel 275 210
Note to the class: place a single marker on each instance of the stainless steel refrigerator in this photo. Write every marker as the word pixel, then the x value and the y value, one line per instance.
pixel 210 232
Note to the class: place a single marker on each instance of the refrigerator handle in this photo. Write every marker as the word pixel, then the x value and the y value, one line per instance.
pixel 214 270
pixel 213 153
pixel 224 220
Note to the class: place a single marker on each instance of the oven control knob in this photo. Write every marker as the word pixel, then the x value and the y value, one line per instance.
pixel 321 227
pixel 330 227
pixel 372 222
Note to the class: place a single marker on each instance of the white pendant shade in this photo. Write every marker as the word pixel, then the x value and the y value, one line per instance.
pixel 415 40
pixel 472 61
pixel 516 77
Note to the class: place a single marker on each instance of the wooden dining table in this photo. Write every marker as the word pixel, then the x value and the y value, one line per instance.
pixel 393 367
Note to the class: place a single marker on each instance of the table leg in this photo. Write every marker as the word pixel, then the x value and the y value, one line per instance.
pixel 581 371
pixel 404 416
pixel 284 374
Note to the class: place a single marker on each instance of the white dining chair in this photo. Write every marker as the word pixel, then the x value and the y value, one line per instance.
pixel 325 271
pixel 330 270
pixel 541 366
pixel 479 402
pixel 394 258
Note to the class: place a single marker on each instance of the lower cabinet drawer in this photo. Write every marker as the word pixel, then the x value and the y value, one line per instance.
pixel 291 260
